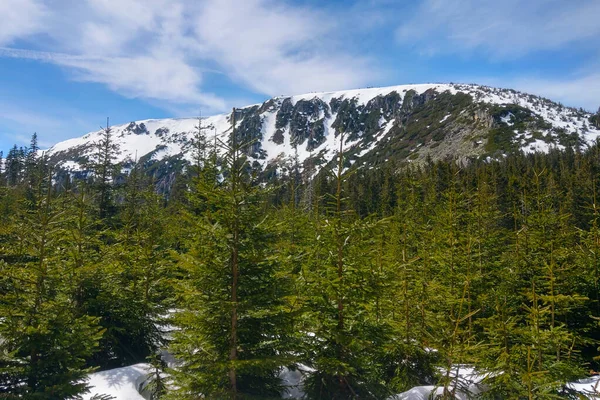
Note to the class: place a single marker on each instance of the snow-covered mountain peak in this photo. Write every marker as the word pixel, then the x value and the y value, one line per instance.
pixel 403 123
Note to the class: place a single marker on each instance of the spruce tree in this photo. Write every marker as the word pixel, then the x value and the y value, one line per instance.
pixel 232 319
pixel 595 119
pixel 123 282
pixel 452 255
pixel 404 295
pixel 45 342
pixel 105 169
pixel 31 161
pixel 198 143
pixel 14 166
pixel 345 342
pixel 538 350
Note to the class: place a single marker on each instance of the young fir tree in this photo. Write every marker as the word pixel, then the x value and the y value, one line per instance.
pixel 589 235
pixel 539 352
pixel 495 287
pixel 45 342
pixel 345 344
pixel 104 172
pixel 14 166
pixel 82 248
pixel 156 383
pixel 403 300
pixel 103 286
pixel 451 256
pixel 31 162
pixel 232 319
pixel 33 171
pixel 124 283
pixel 595 119
pixel 141 262
pixel 198 147
pixel 293 234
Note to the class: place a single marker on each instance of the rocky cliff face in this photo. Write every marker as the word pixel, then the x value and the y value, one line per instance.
pixel 408 123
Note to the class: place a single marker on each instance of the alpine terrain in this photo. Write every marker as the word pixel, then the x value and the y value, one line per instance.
pixel 396 243
pixel 408 123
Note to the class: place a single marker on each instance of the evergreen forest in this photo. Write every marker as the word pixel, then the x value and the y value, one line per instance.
pixel 371 281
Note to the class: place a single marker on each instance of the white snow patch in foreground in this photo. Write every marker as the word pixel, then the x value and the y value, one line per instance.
pixel 467 385
pixel 424 393
pixel 124 384
pixel 121 383
pixel 588 386
pixel 471 384
pixel 293 381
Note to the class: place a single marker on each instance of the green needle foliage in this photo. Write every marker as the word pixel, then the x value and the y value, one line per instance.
pixel 367 282
pixel 44 342
pixel 345 339
pixel 232 316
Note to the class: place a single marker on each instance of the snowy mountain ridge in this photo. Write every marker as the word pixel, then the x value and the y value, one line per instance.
pixel 403 123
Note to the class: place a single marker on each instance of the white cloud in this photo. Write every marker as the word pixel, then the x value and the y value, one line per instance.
pixel 503 29
pixel 159 49
pixel 583 91
pixel 20 18
pixel 276 49
pixel 168 79
pixel 145 77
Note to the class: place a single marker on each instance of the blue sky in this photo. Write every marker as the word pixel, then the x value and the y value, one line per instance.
pixel 66 65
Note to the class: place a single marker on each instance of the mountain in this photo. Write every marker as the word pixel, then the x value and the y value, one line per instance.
pixel 402 123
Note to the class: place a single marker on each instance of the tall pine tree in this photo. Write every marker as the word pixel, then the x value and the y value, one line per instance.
pixel 45 342
pixel 232 320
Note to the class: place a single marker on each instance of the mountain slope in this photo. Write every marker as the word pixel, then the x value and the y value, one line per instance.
pixel 402 123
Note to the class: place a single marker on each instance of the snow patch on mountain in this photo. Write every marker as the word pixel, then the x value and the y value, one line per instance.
pixel 160 138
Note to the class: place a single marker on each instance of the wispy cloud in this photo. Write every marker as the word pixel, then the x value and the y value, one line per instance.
pixel 20 121
pixel 580 89
pixel 514 31
pixel 583 91
pixel 502 29
pixel 277 49
pixel 158 49
pixel 20 18
pixel 154 78
pixel 167 52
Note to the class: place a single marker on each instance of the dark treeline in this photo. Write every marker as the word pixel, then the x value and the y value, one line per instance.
pixel 377 280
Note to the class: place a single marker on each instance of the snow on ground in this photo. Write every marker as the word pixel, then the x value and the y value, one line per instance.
pixel 268 129
pixel 445 118
pixel 121 383
pixel 507 119
pixel 537 146
pixel 468 384
pixel 292 380
pixel 471 385
pixel 124 383
pixel 71 165
pixel 363 96
pixel 385 129
pixel 589 387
